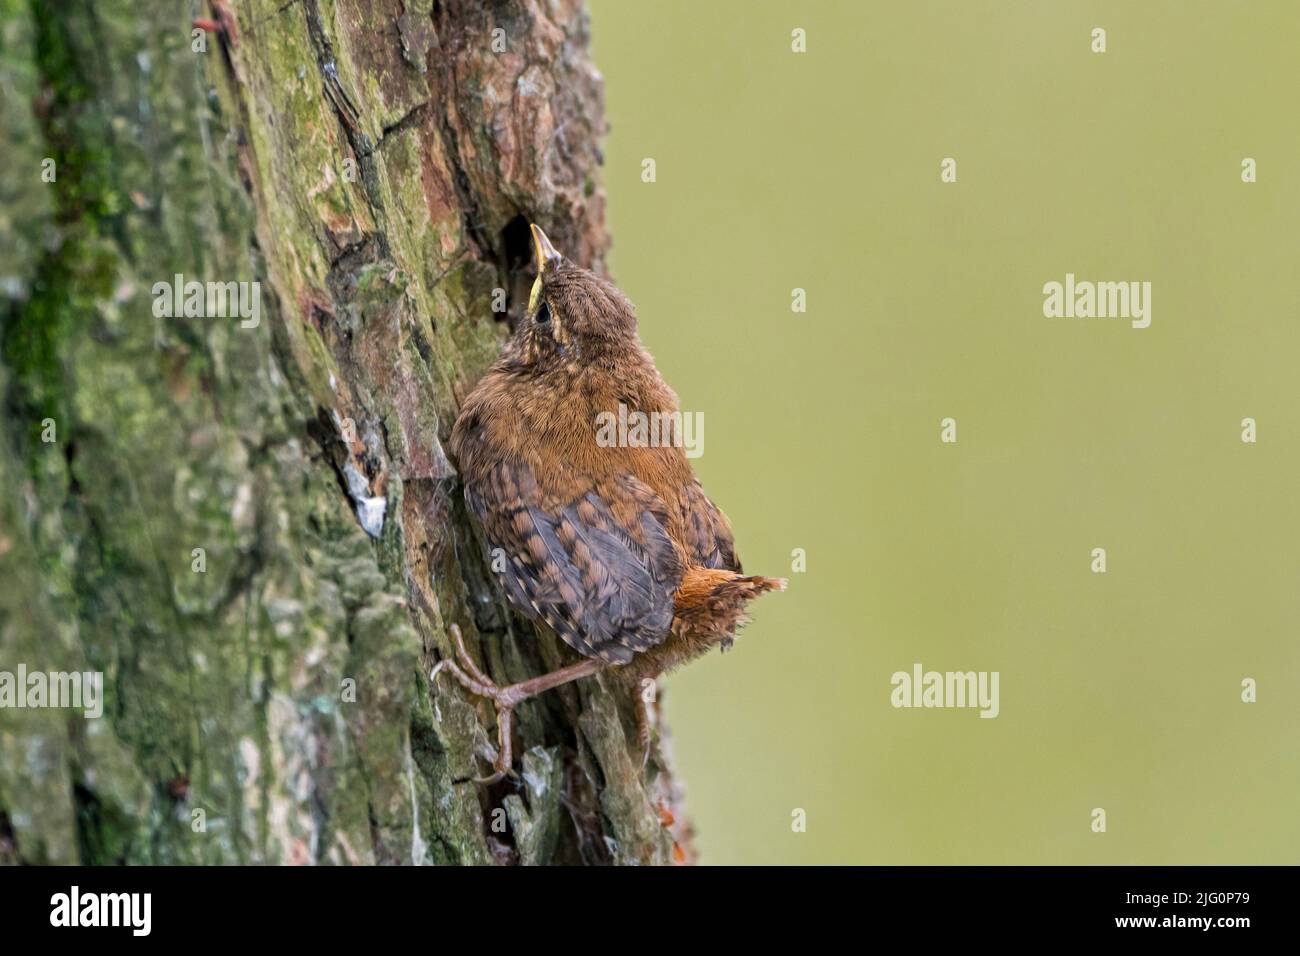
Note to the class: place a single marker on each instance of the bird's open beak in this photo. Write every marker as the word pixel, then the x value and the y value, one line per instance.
pixel 546 254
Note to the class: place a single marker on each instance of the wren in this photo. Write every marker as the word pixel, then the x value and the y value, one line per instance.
pixel 615 547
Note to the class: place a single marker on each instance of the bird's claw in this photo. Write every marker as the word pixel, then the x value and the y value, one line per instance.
pixel 471 677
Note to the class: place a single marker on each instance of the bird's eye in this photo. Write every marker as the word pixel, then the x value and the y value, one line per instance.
pixel 543 314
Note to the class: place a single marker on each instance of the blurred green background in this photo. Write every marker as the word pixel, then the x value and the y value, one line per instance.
pixel 820 170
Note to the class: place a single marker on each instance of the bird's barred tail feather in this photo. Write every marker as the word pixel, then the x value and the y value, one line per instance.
pixel 712 600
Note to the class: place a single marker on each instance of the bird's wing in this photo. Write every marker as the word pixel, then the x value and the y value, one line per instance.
pixel 597 566
pixel 708 533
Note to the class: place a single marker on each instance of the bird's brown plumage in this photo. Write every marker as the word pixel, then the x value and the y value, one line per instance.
pixel 618 549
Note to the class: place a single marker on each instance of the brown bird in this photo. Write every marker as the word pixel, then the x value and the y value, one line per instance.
pixel 617 549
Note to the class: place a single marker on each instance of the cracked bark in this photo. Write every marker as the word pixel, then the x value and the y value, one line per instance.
pixel 226 690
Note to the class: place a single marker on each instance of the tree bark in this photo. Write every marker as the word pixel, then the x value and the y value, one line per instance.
pixel 185 501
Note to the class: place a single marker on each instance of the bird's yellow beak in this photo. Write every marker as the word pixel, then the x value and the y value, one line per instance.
pixel 546 254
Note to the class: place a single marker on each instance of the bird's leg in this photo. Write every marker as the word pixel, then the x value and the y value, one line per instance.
pixel 645 716
pixel 468 674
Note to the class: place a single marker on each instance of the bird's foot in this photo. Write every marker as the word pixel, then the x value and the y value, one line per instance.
pixel 471 677
pixel 647 693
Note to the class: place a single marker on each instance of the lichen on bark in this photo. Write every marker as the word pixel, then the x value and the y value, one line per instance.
pixel 374 167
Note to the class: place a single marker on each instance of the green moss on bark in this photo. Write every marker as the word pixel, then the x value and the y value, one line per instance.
pixel 192 531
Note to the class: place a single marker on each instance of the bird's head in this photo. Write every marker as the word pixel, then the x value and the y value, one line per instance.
pixel 574 316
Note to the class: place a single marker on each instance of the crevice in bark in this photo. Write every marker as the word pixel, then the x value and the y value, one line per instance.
pixel 415 116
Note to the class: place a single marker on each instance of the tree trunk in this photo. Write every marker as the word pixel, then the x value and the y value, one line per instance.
pixel 254 532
